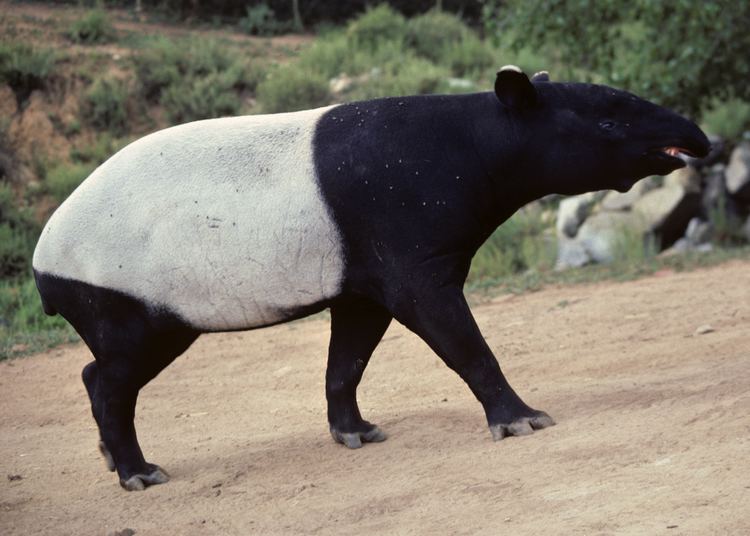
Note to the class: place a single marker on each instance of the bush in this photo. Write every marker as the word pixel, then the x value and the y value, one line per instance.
pixel 291 88
pixel 444 39
pixel 94 27
pixel 730 119
pixel 104 105
pixel 18 234
pixel 195 79
pixel 377 25
pixel 25 68
pixel 261 20
pixel 212 95
pixel 62 179
pixel 408 76
pixel 524 242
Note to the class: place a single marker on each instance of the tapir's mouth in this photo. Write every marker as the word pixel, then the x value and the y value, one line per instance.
pixel 671 157
pixel 678 151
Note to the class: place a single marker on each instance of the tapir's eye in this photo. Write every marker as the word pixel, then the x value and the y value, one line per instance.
pixel 607 125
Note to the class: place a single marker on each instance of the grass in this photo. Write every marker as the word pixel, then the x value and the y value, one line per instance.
pixel 534 280
pixel 24 328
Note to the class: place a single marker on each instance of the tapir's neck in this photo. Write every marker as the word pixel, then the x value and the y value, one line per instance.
pixel 502 144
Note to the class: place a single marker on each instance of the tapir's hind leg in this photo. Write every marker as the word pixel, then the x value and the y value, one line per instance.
pixel 357 325
pixel 127 359
pixel 132 342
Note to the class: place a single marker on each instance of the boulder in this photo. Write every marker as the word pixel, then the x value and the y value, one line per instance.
pixel 603 233
pixel 624 201
pixel 698 232
pixel 570 254
pixel 687 177
pixel 571 213
pixel 666 212
pixel 737 175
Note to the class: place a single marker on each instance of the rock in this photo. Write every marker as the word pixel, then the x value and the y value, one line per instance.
pixel 714 190
pixel 461 84
pixel 702 330
pixel 666 212
pixel 698 232
pixel 340 84
pixel 570 254
pixel 737 175
pixel 573 210
pixel 624 201
pixel 602 234
pixel 688 178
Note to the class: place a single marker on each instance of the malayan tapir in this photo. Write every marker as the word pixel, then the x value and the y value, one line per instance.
pixel 372 209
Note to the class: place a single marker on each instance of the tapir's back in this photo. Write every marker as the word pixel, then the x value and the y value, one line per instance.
pixel 219 221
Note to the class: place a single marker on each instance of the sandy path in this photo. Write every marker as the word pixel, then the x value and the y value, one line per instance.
pixel 653 433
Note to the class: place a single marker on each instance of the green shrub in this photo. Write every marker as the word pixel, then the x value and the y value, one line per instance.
pixel 62 179
pixel 429 34
pixel 18 234
pixel 25 68
pixel 96 152
pixel 94 27
pixel 445 40
pixel 261 20
pixel 104 105
pixel 208 96
pixel 195 79
pixel 729 119
pixel 158 66
pixel 291 88
pixel 524 242
pixel 407 76
pixel 377 25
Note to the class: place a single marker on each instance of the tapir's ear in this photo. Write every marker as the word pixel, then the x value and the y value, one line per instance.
pixel 513 88
pixel 541 76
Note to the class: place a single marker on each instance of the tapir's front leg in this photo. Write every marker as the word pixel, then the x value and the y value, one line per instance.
pixel 442 318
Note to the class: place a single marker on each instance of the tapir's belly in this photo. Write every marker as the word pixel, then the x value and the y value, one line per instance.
pixel 220 221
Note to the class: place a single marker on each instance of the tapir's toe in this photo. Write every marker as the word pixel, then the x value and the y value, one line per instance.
pixel 521 426
pixel 354 440
pixel 139 482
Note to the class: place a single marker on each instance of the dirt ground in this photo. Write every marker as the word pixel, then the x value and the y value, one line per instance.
pixel 653 433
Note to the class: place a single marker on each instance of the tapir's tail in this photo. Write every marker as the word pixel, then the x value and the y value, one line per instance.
pixel 46 306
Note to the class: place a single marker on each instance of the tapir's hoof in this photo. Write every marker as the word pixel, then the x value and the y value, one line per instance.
pixel 521 426
pixel 108 459
pixel 354 440
pixel 140 482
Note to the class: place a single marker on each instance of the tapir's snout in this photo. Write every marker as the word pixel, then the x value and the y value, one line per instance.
pixel 680 141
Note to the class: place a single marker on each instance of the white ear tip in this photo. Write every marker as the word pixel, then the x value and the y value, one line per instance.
pixel 542 73
pixel 511 68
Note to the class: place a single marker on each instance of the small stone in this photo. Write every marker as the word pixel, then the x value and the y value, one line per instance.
pixel 702 330
pixel 13 478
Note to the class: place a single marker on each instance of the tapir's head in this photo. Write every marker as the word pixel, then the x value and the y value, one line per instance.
pixel 585 137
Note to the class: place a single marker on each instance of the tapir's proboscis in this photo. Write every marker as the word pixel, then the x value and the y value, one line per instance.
pixel 371 209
